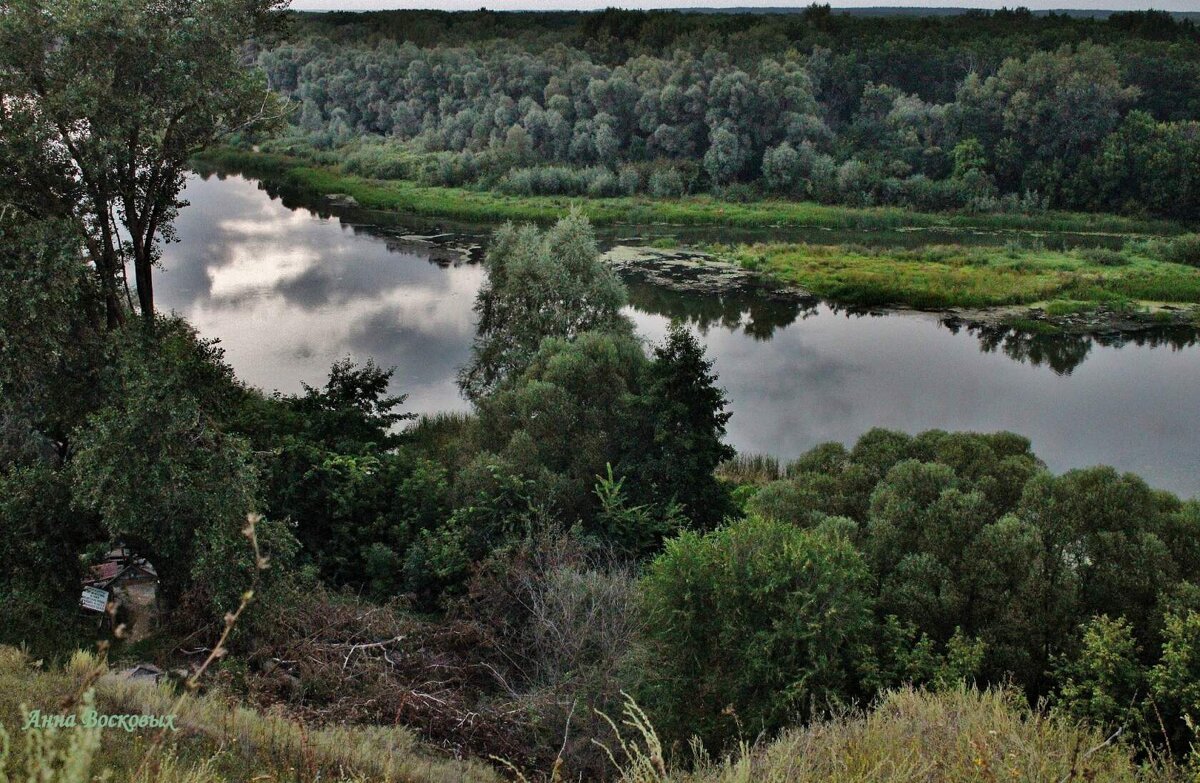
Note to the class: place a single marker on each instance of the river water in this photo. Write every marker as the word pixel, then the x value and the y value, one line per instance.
pixel 287 291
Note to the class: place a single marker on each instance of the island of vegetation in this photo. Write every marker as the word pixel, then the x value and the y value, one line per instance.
pixel 579 578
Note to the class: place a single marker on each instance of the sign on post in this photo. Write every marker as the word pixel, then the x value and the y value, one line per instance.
pixel 94 599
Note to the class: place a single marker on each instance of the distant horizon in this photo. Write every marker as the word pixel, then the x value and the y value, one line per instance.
pixel 1174 6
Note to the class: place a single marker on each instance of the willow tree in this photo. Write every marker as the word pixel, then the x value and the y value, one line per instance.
pixel 102 103
pixel 540 285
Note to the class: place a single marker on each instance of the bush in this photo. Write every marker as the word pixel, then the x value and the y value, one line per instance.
pixel 1104 683
pixel 562 625
pixel 601 182
pixel 666 183
pixel 377 161
pixel 780 168
pixel 751 627
pixel 543 180
pixel 1183 249
pixel 953 735
pixel 629 180
pixel 1104 256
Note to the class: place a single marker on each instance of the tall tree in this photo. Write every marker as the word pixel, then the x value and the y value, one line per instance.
pixel 102 102
pixel 540 285
pixel 684 418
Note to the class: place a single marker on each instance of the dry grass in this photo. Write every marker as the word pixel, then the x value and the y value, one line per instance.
pixel 215 741
pixel 750 469
pixel 959 735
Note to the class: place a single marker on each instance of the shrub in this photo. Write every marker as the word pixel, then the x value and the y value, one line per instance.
pixel 666 183
pixel 629 180
pixel 780 168
pixel 544 181
pixel 1103 684
pixel 377 161
pixel 954 735
pixel 1104 256
pixel 562 626
pixel 1175 680
pixel 1183 249
pixel 751 627
pixel 601 182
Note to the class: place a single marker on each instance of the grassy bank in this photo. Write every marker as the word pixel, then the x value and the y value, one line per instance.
pixel 956 735
pixel 1065 282
pixel 938 277
pixel 215 739
pixel 410 197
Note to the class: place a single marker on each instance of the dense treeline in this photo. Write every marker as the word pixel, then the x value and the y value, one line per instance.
pixel 986 111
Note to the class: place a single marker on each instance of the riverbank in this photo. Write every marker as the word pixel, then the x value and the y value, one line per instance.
pixel 1021 283
pixel 1065 286
pixel 330 182
pixel 1038 291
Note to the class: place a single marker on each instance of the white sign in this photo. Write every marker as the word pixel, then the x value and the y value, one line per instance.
pixel 94 599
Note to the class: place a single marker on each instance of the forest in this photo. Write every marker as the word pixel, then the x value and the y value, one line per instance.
pixel 986 112
pixel 578 578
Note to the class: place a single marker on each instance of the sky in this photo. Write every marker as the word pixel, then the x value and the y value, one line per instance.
pixel 528 5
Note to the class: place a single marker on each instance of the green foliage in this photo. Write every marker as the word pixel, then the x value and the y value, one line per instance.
pixel 494 506
pixel 50 352
pixel 967 534
pixel 540 285
pixel 104 102
pixel 754 625
pixel 564 418
pixel 903 656
pixel 1175 680
pixel 1183 250
pixel 156 466
pixel 1104 684
pixel 675 454
pixel 633 530
pixel 1002 112
pixel 333 471
pixel 42 539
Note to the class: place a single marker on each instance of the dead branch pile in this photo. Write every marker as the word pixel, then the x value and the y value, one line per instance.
pixel 335 659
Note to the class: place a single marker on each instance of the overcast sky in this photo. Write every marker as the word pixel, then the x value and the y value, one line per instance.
pixel 526 5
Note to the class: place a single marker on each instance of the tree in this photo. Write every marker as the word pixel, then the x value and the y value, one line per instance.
pixel 567 416
pixel 779 168
pixel 759 622
pixel 156 466
pixel 681 443
pixel 102 103
pixel 51 348
pixel 1175 679
pixel 540 285
pixel 726 156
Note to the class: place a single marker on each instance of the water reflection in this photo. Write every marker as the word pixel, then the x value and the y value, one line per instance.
pixel 757 317
pixel 289 291
pixel 1062 353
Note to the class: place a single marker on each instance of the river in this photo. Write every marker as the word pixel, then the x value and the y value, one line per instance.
pixel 287 291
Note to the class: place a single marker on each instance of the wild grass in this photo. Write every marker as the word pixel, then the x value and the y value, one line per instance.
pixel 216 740
pixel 750 469
pixel 943 276
pixel 446 437
pixel 320 175
pixel 951 736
